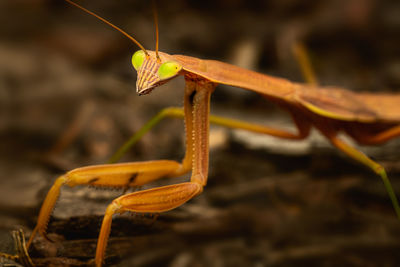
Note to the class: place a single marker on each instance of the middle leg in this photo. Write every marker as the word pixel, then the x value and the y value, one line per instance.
pixel 303 128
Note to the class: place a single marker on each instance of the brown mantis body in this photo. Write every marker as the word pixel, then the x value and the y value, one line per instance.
pixel 330 110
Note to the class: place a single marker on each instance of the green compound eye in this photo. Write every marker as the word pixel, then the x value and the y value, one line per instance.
pixel 168 70
pixel 137 59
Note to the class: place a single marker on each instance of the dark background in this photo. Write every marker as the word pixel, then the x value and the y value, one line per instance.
pixel 267 202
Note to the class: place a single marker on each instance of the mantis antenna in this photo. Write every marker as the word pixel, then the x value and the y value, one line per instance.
pixel 115 27
pixel 155 15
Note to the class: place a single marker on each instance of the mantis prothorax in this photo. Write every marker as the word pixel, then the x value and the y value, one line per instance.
pixel 330 110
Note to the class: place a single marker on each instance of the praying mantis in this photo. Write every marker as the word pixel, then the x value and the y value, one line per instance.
pixel 330 110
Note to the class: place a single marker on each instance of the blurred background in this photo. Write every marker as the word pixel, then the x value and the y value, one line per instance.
pixel 67 99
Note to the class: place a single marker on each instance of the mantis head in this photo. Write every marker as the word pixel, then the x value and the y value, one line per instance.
pixel 151 69
pixel 152 72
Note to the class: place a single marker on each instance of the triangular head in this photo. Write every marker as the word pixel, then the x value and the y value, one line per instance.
pixel 153 71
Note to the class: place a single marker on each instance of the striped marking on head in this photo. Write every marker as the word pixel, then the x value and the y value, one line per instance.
pixel 152 72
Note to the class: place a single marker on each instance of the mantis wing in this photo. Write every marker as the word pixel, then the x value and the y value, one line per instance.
pixel 387 106
pixel 342 104
pixel 336 103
